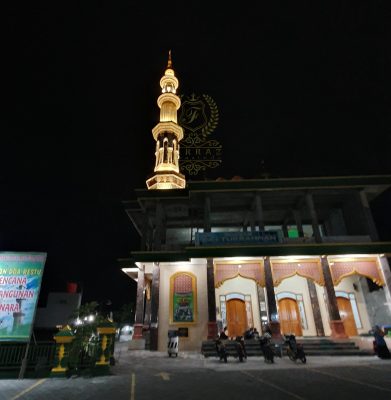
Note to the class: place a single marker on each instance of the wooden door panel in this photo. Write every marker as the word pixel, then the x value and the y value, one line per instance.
pixel 289 315
pixel 346 313
pixel 236 317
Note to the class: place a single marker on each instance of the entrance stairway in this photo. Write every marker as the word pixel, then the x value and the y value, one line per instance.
pixel 321 346
pixel 313 346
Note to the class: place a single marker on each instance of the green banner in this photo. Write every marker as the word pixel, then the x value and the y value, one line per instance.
pixel 183 307
pixel 20 283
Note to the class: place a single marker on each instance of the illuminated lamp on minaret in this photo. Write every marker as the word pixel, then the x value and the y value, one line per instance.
pixel 167 134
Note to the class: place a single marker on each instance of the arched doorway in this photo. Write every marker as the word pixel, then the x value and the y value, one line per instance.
pixel 236 317
pixel 346 313
pixel 289 315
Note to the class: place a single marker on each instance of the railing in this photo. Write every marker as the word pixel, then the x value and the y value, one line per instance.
pixel 39 358
pixel 68 355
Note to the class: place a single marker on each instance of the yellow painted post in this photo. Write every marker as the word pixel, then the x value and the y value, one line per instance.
pixel 64 339
pixel 106 332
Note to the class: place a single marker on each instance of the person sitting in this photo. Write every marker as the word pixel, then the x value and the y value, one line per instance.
pixel 223 334
pixel 220 349
pixel 268 330
pixel 380 345
pixel 249 334
pixel 241 348
pixel 256 334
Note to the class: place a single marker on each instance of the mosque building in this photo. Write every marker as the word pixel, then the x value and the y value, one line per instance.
pixel 300 255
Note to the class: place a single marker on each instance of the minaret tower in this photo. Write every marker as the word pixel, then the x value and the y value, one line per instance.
pixel 167 134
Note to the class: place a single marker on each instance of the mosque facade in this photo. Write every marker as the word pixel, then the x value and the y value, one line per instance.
pixel 300 255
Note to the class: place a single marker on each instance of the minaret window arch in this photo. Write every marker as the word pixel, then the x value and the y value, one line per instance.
pixel 165 151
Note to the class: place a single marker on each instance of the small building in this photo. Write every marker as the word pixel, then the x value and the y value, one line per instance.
pixel 60 307
pixel 300 255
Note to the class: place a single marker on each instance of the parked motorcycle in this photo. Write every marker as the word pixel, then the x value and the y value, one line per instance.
pixel 267 347
pixel 241 348
pixel 221 350
pixel 295 351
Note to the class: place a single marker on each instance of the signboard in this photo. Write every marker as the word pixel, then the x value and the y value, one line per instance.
pixel 183 298
pixel 183 332
pixel 20 283
pixel 240 238
pixel 183 307
pixel 199 116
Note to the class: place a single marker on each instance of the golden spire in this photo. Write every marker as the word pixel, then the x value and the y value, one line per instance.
pixel 169 64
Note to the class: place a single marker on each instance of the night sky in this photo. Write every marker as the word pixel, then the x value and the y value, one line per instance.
pixel 303 90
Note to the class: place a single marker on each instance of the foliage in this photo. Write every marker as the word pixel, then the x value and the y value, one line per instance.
pixel 86 319
pixel 87 309
pixel 125 315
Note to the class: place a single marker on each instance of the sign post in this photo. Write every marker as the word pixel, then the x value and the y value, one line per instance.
pixel 20 284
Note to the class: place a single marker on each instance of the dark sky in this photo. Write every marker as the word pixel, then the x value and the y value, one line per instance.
pixel 305 88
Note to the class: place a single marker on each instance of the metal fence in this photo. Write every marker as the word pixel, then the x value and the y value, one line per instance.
pixel 81 358
pixel 39 358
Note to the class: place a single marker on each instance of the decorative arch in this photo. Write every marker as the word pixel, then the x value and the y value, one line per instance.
pixel 306 269
pixel 238 296
pixel 286 295
pixel 368 268
pixel 183 298
pixel 250 270
pixel 339 293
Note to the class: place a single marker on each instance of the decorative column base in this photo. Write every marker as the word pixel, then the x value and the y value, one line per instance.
pixel 138 331
pixel 154 338
pixel 105 351
pixel 212 330
pixel 276 330
pixel 338 329
pixel 59 373
pixel 64 339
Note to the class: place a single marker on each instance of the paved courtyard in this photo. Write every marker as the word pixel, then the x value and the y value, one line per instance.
pixel 140 375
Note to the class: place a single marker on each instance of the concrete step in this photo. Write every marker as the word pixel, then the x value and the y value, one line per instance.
pixel 312 347
pixel 329 346
pixel 342 352
pixel 319 342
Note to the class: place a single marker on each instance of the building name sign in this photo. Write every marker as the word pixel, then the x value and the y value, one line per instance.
pixel 239 238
